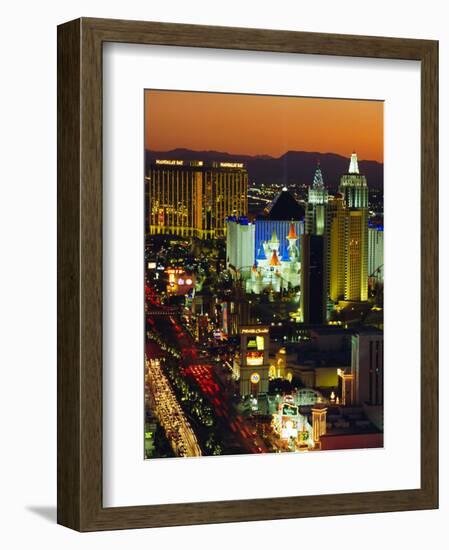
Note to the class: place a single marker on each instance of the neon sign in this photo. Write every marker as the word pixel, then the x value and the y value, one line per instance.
pixel 170 162
pixel 231 165
pixel 254 331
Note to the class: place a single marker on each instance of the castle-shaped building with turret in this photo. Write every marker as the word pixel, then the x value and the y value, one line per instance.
pixel 274 270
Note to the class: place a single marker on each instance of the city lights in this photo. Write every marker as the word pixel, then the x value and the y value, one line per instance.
pixel 263 302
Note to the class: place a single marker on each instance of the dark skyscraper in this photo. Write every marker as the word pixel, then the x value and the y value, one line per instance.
pixel 313 279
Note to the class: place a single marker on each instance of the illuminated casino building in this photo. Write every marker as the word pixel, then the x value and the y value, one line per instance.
pixel 356 279
pixel 254 361
pixel 266 253
pixel 274 271
pixel 339 225
pixel 354 188
pixel 342 220
pixel 278 218
pixel 194 198
pixel 336 216
pixel 291 425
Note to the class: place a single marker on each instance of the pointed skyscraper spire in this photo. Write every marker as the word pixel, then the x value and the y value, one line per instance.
pixel 353 186
pixel 318 193
pixel 354 165
pixel 318 177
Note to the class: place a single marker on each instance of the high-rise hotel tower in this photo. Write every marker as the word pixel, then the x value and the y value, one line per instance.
pixel 354 188
pixel 337 218
pixel 342 221
pixel 194 198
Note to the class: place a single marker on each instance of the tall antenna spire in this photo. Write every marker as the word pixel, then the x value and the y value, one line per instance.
pixel 354 165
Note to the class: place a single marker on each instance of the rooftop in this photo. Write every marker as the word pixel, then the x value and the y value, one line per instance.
pixel 284 207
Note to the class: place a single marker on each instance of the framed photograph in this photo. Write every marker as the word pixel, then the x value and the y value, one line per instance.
pixel 247 274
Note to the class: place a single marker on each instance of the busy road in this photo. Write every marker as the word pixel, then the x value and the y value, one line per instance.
pixel 168 411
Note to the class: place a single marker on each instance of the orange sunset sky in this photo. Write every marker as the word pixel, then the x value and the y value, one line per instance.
pixel 262 125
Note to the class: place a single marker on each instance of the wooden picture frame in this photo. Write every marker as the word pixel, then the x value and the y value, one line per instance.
pixel 80 504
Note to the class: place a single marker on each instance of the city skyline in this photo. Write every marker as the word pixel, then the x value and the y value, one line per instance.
pixel 263 283
pixel 267 125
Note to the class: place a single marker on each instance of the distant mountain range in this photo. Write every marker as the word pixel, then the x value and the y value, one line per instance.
pixel 293 167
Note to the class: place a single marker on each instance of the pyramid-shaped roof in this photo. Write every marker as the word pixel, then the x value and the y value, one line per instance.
pixel 285 207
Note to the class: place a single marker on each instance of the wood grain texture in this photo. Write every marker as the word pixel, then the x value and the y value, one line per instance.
pixel 69 407
pixel 429 271
pixel 80 274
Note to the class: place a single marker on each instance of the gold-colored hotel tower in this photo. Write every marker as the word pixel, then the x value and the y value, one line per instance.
pixel 342 220
pixel 194 198
pixel 349 237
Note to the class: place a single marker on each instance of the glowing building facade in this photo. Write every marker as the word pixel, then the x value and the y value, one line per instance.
pixel 354 189
pixel 291 425
pixel 254 361
pixel 274 271
pixel 276 253
pixel 356 276
pixel 376 252
pixel 240 234
pixel 337 247
pixel 342 222
pixel 278 217
pixel 193 199
pixel 319 414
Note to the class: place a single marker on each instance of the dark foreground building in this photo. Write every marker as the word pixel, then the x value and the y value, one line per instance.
pixel 313 279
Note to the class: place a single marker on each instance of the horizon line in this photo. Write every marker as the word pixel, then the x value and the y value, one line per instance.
pixel 263 154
